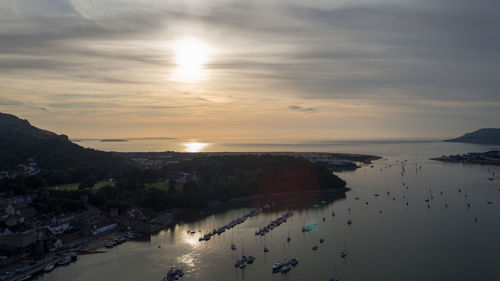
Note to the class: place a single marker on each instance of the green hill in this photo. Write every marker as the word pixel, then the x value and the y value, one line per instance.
pixel 481 136
pixel 19 140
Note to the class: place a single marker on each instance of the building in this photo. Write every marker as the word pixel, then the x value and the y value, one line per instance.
pixel 17 242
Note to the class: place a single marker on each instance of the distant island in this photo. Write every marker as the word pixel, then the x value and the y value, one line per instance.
pixel 481 136
pixel 114 140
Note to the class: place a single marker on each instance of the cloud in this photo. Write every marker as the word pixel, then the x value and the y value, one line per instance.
pixel 114 56
pixel 300 108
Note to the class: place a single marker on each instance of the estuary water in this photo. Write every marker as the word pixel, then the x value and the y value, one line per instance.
pixel 430 221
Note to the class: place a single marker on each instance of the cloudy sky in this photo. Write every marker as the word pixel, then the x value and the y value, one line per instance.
pixel 252 70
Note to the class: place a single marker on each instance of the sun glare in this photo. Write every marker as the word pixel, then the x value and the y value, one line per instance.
pixel 190 56
pixel 194 146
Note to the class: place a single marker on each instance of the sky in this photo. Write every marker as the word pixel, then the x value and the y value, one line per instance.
pixel 261 70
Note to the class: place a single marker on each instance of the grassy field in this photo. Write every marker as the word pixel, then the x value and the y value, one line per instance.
pixel 74 186
pixel 162 185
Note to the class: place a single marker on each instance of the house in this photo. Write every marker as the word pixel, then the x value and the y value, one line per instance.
pixel 185 177
pixel 17 242
pixel 10 210
pixel 136 214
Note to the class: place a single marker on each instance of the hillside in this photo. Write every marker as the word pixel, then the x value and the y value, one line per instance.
pixel 481 136
pixel 20 140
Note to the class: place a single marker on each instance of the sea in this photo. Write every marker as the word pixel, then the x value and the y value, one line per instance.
pixel 412 219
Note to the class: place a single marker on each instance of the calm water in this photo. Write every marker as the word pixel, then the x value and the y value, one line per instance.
pixel 419 241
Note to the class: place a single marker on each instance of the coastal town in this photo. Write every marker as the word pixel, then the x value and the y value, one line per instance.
pixel 485 158
pixel 35 238
pixel 32 243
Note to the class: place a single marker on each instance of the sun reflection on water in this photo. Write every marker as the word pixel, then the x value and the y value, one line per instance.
pixel 194 146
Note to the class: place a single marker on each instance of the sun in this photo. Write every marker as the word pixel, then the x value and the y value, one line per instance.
pixel 190 56
pixel 194 146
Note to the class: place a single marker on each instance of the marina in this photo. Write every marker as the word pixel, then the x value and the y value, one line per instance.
pixel 370 242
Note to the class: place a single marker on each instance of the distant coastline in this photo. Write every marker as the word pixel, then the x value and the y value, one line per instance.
pixel 113 140
pixel 484 158
pixel 481 136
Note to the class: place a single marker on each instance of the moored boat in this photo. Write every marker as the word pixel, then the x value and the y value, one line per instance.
pixel 25 277
pixel 276 266
pixel 285 268
pixel 49 268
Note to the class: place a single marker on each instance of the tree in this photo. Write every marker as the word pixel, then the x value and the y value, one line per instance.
pixel 88 182
pixel 172 188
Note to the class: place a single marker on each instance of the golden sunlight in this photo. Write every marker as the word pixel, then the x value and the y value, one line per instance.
pixel 194 146
pixel 190 55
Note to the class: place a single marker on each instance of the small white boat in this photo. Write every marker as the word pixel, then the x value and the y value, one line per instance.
pixel 25 277
pixel 285 268
pixel 49 268
pixel 277 266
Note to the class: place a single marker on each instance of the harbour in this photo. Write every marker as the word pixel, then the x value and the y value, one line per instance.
pixel 396 231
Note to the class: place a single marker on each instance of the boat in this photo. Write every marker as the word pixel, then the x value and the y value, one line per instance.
pixel 321 240
pixel 276 266
pixel 173 274
pixel 250 259
pixel 49 268
pixel 349 222
pixel 285 268
pixel 237 263
pixel 73 256
pixel 233 247
pixel 243 264
pixel 294 261
pixel 343 254
pixel 314 248
pixel 64 261
pixel 110 245
pixel 266 250
pixel 25 277
pixel 335 279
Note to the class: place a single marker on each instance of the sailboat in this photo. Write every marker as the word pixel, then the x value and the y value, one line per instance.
pixel 233 247
pixel 343 253
pixel 335 270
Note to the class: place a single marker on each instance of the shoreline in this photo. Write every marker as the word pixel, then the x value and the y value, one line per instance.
pixel 280 194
